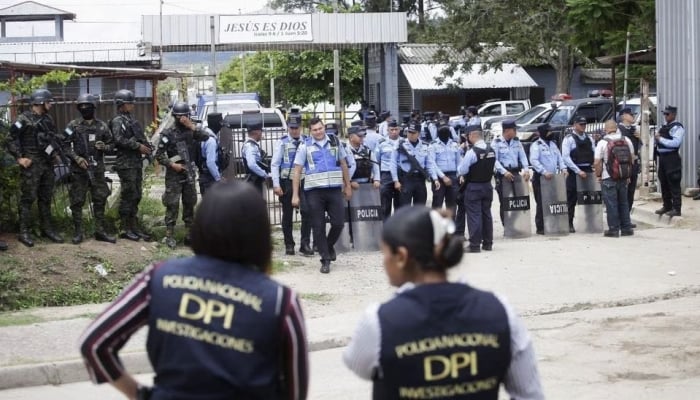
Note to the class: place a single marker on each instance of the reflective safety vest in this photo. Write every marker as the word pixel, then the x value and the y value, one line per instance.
pixel 214 331
pixel 323 164
pixel 445 340
pixel 289 152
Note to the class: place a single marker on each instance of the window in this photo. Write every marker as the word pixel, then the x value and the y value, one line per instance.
pixel 562 115
pixel 491 111
pixel 514 108
pixel 529 115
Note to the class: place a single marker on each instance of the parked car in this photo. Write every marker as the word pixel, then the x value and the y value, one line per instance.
pixel 537 114
pixel 227 103
pixel 496 108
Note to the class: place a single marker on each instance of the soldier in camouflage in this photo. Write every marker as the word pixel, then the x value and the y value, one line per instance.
pixel 178 180
pixel 85 141
pixel 33 144
pixel 131 145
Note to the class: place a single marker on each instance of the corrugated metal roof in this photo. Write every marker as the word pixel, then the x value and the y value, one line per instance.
pixel 422 77
pixel 91 71
pixel 30 10
pixel 73 52
pixel 414 53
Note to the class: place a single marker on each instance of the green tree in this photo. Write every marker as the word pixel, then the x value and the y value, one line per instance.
pixel 493 32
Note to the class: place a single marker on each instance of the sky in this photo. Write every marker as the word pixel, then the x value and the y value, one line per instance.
pixel 120 20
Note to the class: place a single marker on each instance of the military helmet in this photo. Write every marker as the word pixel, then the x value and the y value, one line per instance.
pixel 124 96
pixel 40 96
pixel 87 98
pixel 180 108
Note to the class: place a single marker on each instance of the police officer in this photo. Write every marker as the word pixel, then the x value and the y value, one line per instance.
pixel 33 143
pixel 510 160
pixel 438 338
pixel 256 167
pixel 85 140
pixel 461 212
pixel 410 168
pixel 546 160
pixel 668 143
pixel 444 157
pixel 473 116
pixel 384 150
pixel 628 130
pixel 428 130
pixel 218 326
pixel 384 118
pixel 322 157
pixel 331 129
pixel 175 151
pixel 366 167
pixel 475 171
pixel 132 146
pixel 372 137
pixel 282 165
pixel 577 150
pixel 208 162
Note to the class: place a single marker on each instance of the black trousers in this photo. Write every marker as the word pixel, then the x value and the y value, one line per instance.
pixel 670 174
pixel 571 192
pixel 413 191
pixel 389 196
pixel 477 200
pixel 460 214
pixel 632 185
pixel 322 201
pixel 288 215
pixel 537 190
pixel 446 194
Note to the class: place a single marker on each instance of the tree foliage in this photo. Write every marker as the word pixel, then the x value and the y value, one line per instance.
pixel 24 85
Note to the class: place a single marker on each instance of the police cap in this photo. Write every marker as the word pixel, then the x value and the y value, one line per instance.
pixel 384 115
pixel 472 128
pixel 294 121
pixel 670 110
pixel 581 120
pixel 414 127
pixel 331 128
pixel 473 110
pixel 393 123
pixel 254 126
pixel 508 124
pixel 543 129
pixel 626 110
pixel 356 130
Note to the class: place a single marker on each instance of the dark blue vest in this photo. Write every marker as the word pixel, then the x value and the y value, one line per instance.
pixel 444 340
pixel 214 331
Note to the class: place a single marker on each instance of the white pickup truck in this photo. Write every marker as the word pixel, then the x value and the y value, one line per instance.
pixel 499 108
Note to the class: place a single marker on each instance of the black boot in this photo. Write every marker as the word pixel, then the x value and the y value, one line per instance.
pixel 49 233
pixel 3 246
pixel 306 250
pixel 135 228
pixel 46 228
pixel 24 236
pixel 78 228
pixel 128 233
pixel 170 238
pixel 188 235
pixel 100 234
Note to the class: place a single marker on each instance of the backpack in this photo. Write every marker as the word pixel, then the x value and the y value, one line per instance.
pixel 223 157
pixel 619 161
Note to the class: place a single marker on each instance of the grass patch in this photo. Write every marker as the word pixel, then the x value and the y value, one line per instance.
pixel 317 297
pixel 18 319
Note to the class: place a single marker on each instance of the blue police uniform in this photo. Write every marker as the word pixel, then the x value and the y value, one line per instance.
pixel 254 162
pixel 372 138
pixel 670 163
pixel 578 151
pixel 510 157
pixel 412 178
pixel 477 167
pixel 444 159
pixel 324 179
pixel 208 169
pixel 545 158
pixel 282 165
pixel 366 167
pixel 232 360
pixel 474 322
pixel 384 150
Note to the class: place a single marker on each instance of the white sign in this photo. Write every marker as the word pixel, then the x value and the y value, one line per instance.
pixel 265 28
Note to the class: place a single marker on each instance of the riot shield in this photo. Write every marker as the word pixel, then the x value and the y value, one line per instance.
pixel 516 206
pixel 555 212
pixel 226 138
pixel 344 243
pixel 589 205
pixel 365 218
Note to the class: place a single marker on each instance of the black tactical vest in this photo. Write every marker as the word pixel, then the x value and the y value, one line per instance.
pixel 628 132
pixel 445 340
pixel 363 162
pixel 214 330
pixel 30 128
pixel 583 152
pixel 665 132
pixel 482 170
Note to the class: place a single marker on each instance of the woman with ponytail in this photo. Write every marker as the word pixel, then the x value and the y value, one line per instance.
pixel 437 339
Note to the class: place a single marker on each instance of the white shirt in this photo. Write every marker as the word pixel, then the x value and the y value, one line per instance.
pixel 601 150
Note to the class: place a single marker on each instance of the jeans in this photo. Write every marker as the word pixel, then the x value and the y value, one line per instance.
pixel 615 199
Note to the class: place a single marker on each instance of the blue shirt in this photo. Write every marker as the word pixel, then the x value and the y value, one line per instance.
pixel 475 120
pixel 545 157
pixel 443 157
pixel 398 160
pixel 350 160
pixel 509 155
pixel 569 144
pixel 372 138
pixel 209 153
pixel 677 133
pixel 251 154
pixel 470 158
pixel 383 153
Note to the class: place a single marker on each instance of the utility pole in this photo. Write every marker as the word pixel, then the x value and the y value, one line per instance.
pixel 160 45
pixel 212 27
pixel 336 82
pixel 272 83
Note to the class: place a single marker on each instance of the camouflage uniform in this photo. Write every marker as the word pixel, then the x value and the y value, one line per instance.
pixel 128 137
pixel 29 138
pixel 177 184
pixel 79 140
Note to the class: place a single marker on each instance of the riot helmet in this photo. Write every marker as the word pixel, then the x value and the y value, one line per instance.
pixel 85 99
pixel 41 96
pixel 181 108
pixel 124 96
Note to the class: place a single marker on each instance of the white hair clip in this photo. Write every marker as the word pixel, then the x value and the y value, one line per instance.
pixel 441 226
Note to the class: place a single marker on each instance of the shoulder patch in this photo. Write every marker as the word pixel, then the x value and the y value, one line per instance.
pixel 69 132
pixel 165 139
